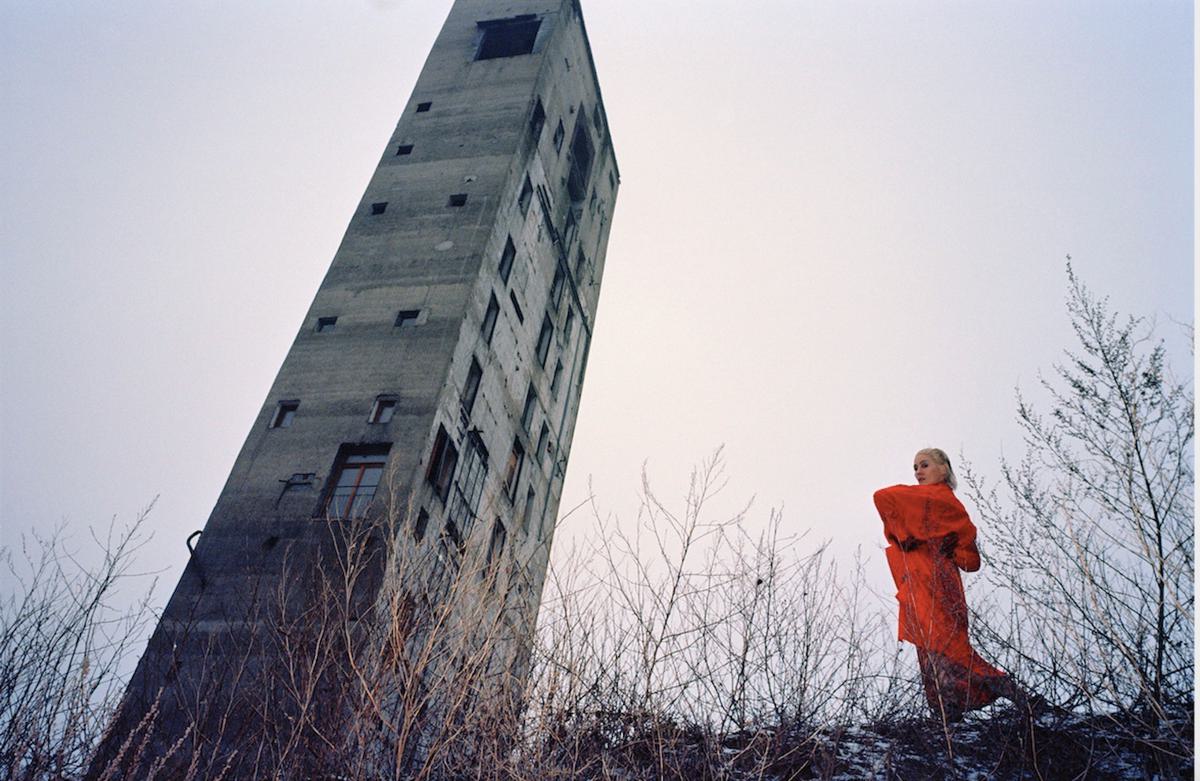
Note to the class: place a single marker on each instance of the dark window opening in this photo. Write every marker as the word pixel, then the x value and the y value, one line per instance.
pixel 285 413
pixel 570 228
pixel 580 262
pixel 357 474
pixel 543 343
pixel 420 525
pixel 570 324
pixel 557 380
pixel 458 199
pixel 383 409
pixel 508 37
pixel 404 149
pixel 516 307
pixel 489 319
pixel 512 475
pixel 423 107
pixel 526 197
pixel 596 120
pixel 506 259
pixel 495 549
pixel 581 163
pixel 407 317
pixel 527 513
pixel 543 439
pixel 379 208
pixel 528 409
pixel 612 181
pixel 557 285
pixel 326 324
pixel 471 387
pixel 442 461
pixel 536 121
pixel 559 134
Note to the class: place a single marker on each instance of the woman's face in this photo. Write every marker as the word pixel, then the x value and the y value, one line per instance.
pixel 927 471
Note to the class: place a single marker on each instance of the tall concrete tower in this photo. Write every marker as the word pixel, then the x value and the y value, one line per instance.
pixel 430 398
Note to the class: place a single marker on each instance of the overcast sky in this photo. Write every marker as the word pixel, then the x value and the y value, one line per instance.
pixel 840 234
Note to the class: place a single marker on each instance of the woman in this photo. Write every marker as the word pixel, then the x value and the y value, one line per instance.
pixel 930 539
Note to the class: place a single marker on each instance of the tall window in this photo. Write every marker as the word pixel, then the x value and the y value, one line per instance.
pixel 569 325
pixel 530 406
pixel 512 475
pixel 556 288
pixel 442 461
pixel 489 319
pixel 383 409
pixel 543 342
pixel 537 121
pixel 506 259
pixel 526 196
pixel 471 387
pixel 355 477
pixel 496 545
pixel 581 163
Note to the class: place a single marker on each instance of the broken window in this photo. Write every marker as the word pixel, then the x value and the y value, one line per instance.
pixel 528 410
pixel 512 475
pixel 512 296
pixel 506 259
pixel 536 121
pixel 526 196
pixel 557 380
pixel 442 461
pixel 285 413
pixel 489 319
pixel 507 37
pixel 420 525
pixel 383 409
pixel 580 163
pixel 471 388
pixel 543 343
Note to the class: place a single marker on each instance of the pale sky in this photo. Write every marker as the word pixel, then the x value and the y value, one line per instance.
pixel 840 234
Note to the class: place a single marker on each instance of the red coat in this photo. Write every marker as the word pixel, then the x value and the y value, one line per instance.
pixel 933 609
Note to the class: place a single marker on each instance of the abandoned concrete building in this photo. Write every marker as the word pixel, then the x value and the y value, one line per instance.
pixel 420 425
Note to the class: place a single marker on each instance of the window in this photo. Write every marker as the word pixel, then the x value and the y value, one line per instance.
pixel 471 387
pixel 512 475
pixel 580 263
pixel 556 288
pixel 526 196
pixel 404 149
pixel 407 318
pixel 420 525
pixel 496 543
pixel 506 259
pixel 543 440
pixel 458 199
pixel 326 324
pixel 570 228
pixel 468 486
pixel 423 107
pixel 570 324
pixel 507 37
pixel 543 343
pixel 442 461
pixel 557 380
pixel 356 475
pixel 581 163
pixel 536 121
pixel 379 208
pixel 383 409
pixel 527 513
pixel 489 319
pixel 512 296
pixel 285 413
pixel 599 123
pixel 612 181
pixel 559 133
pixel 530 405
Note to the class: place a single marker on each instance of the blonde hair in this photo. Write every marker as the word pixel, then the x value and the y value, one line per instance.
pixel 939 457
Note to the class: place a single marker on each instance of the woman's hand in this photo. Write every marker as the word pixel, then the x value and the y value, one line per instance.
pixel 949 543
